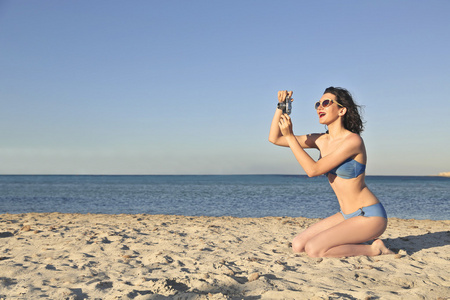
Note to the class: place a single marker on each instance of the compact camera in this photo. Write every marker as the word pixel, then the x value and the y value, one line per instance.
pixel 286 105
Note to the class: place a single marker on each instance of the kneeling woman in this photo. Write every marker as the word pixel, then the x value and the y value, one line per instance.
pixel 343 159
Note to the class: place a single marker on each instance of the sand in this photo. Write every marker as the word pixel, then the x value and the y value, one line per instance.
pixel 91 256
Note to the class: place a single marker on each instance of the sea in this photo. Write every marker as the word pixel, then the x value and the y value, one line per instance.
pixel 406 197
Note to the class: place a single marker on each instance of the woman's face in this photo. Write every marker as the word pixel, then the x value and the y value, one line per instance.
pixel 329 114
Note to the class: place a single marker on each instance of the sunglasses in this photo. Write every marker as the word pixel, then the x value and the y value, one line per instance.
pixel 326 103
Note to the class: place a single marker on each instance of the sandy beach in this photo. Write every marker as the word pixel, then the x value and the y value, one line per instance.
pixel 90 256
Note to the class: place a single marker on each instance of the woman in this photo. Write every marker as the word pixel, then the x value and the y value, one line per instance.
pixel 343 160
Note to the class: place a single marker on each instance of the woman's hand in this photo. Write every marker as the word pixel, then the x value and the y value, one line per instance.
pixel 285 125
pixel 275 135
pixel 282 95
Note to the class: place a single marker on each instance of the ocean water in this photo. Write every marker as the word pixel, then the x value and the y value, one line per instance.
pixel 408 197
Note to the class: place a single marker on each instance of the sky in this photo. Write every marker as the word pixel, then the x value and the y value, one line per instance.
pixel 190 87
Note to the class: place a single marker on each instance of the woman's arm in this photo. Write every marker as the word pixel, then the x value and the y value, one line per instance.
pixel 349 148
pixel 275 135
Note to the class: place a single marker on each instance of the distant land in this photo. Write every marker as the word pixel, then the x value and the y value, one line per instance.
pixel 444 174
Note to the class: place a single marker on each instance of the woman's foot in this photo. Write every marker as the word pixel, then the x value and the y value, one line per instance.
pixel 379 246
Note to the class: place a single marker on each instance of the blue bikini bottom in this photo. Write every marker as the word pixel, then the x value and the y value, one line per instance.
pixel 376 210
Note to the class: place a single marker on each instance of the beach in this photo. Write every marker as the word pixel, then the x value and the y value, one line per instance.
pixel 101 256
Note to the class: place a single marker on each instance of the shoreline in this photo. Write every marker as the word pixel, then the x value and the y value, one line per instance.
pixel 194 216
pixel 141 256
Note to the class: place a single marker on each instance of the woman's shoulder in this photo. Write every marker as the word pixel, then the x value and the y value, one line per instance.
pixel 320 139
pixel 355 141
pixel 310 140
pixel 353 137
pixel 316 136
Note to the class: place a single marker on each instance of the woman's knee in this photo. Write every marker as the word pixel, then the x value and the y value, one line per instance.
pixel 298 245
pixel 313 250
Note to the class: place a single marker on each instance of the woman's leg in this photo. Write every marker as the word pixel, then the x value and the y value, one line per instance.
pixel 299 242
pixel 345 238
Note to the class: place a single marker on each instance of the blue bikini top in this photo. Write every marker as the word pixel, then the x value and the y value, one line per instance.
pixel 349 169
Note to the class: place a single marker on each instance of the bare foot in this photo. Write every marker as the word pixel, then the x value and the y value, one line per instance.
pixel 379 245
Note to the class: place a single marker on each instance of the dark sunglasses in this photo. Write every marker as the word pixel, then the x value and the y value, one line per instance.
pixel 326 103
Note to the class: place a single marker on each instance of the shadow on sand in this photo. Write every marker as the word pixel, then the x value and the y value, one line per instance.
pixel 414 243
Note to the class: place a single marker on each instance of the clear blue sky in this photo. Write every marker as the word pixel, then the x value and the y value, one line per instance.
pixel 189 87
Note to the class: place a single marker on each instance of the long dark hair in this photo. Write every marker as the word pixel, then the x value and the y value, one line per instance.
pixel 352 118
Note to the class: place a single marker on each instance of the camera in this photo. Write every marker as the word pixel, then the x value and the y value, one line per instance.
pixel 286 105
